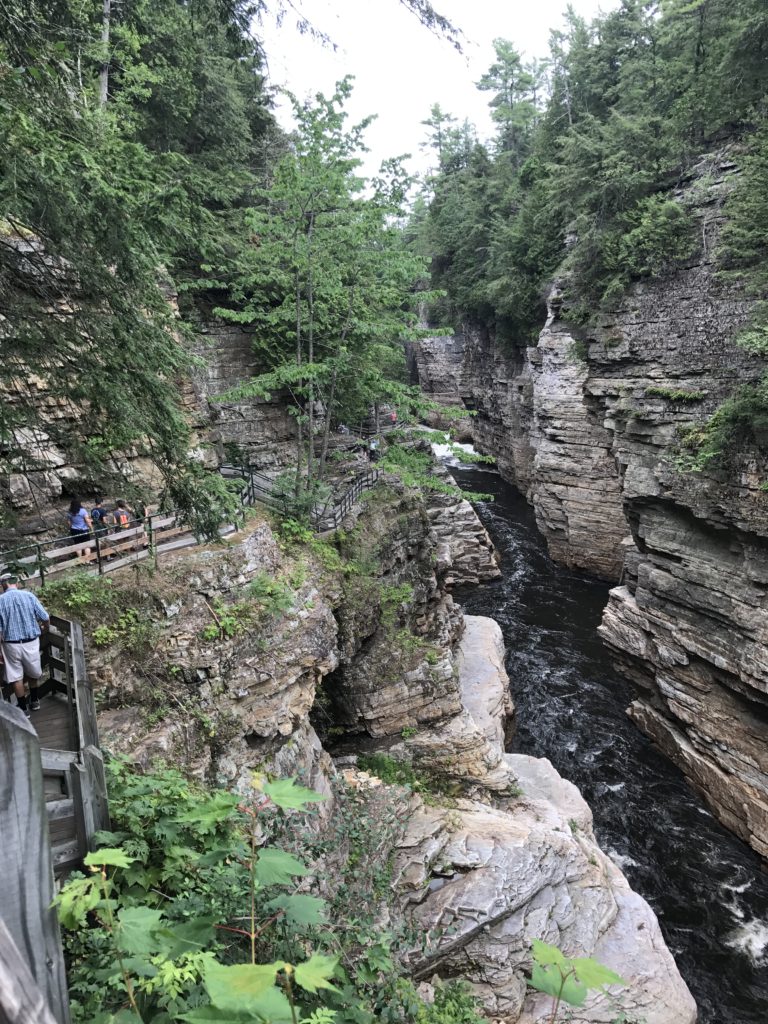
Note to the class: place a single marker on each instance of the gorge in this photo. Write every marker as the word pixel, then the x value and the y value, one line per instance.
pixel 587 424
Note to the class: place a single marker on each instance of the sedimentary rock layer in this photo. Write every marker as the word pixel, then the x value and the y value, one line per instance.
pixel 588 424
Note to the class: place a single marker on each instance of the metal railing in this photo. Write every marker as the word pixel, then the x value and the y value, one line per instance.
pixel 323 517
pixel 109 548
pixel 103 550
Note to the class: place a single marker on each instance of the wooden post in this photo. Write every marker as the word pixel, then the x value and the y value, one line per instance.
pixel 99 562
pixel 21 1001
pixel 41 565
pixel 27 889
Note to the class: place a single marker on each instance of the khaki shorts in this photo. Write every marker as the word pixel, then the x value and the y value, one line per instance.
pixel 22 660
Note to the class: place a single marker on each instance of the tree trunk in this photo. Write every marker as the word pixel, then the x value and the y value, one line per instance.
pixel 310 353
pixel 106 12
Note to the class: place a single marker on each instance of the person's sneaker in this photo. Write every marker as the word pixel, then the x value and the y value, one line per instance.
pixel 26 713
pixel 35 705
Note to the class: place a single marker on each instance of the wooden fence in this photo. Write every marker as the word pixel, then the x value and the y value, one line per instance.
pixel 259 489
pixel 53 800
pixel 103 552
pixel 30 933
pixel 73 765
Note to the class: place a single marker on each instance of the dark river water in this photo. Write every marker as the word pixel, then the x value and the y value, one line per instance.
pixel 705 885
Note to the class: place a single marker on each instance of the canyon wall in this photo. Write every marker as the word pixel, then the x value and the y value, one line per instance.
pixel 587 424
pixel 256 430
pixel 366 652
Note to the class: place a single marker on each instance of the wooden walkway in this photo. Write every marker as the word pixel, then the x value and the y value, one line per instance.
pixel 73 771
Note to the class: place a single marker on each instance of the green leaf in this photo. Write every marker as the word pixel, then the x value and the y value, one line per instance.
pixel 109 857
pixel 594 974
pixel 545 954
pixel 135 929
pixel 299 908
pixel 554 981
pixel 273 1006
pixel 184 938
pixel 276 867
pixel 77 898
pixel 211 1015
pixel 546 980
pixel 286 794
pixel 314 973
pixel 237 987
pixel 210 813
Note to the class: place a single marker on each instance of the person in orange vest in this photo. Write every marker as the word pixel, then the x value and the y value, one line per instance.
pixel 121 516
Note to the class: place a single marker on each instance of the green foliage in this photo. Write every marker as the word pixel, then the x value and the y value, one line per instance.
pixel 674 394
pixel 106 206
pixel 79 592
pixel 567 980
pixel 400 773
pixel 271 596
pixel 416 468
pixel 581 173
pixel 392 600
pixel 454 1004
pixel 326 289
pixel 191 913
pixel 132 632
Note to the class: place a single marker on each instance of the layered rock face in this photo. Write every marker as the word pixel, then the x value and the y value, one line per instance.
pixel 483 877
pixel 255 430
pixel 588 427
pixel 223 690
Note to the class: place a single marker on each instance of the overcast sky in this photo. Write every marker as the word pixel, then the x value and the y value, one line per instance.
pixel 401 68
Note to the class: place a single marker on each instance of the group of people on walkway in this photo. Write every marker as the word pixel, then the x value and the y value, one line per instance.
pixel 99 520
pixel 22 619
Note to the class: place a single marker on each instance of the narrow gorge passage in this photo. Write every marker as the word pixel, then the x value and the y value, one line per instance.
pixel 705 885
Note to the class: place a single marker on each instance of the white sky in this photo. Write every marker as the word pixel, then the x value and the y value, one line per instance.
pixel 400 67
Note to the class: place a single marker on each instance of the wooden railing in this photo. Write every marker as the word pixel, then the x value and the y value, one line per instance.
pixel 54 800
pixel 108 549
pixel 257 489
pixel 73 765
pixel 104 550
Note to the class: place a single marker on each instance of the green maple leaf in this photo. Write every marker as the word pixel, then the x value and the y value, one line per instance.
pixel 594 974
pixel 299 908
pixel 238 986
pixel 276 867
pixel 136 927
pixel 286 794
pixel 109 857
pixel 314 973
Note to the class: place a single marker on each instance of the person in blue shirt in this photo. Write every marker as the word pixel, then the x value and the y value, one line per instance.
pixel 21 616
pixel 79 524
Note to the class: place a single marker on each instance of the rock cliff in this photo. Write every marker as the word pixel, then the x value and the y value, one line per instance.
pixel 587 424
pixel 241 657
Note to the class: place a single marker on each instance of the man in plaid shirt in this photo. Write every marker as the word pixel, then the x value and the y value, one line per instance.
pixel 21 615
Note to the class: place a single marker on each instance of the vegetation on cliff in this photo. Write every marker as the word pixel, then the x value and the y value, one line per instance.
pixel 589 146
pixel 143 179
pixel 582 182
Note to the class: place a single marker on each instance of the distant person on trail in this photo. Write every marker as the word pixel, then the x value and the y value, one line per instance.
pixel 79 523
pixel 21 616
pixel 79 519
pixel 121 516
pixel 393 417
pixel 373 450
pixel 100 518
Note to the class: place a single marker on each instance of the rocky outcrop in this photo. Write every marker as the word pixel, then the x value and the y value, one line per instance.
pixel 465 552
pixel 587 423
pixel 52 469
pixel 255 431
pixel 481 877
pixel 237 650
